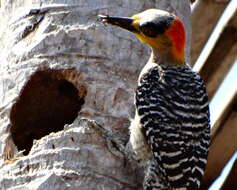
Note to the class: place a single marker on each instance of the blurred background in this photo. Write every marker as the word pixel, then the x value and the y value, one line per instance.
pixel 214 56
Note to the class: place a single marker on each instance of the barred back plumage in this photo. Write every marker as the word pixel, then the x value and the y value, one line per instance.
pixel 173 109
pixel 170 130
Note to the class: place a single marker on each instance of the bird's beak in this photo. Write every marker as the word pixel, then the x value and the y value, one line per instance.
pixel 123 22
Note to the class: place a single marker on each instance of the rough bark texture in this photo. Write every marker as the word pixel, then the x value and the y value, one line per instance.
pixel 58 64
pixel 79 157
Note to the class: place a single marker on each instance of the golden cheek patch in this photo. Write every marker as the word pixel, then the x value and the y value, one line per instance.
pixel 159 42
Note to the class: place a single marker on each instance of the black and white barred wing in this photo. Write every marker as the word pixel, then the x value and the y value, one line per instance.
pixel 173 109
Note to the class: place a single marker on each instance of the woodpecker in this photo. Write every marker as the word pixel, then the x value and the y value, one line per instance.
pixel 170 130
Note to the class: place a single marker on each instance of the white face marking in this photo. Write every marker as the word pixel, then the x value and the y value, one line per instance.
pixel 151 15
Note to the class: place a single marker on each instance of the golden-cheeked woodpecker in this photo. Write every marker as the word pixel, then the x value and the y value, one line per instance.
pixel 171 130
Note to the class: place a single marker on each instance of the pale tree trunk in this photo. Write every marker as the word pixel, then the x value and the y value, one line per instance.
pixel 57 66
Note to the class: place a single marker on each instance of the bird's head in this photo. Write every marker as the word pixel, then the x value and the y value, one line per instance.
pixel 161 30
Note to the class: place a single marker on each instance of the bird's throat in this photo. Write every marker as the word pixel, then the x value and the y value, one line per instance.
pixel 166 57
pixel 165 49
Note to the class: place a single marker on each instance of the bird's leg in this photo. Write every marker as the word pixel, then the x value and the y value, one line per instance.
pixel 153 179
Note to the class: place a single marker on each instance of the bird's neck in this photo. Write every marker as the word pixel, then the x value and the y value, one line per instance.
pixel 162 60
pixel 166 58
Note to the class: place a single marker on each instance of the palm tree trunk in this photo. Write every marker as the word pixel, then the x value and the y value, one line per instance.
pixel 59 65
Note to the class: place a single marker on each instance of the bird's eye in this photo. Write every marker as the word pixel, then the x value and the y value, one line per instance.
pixel 149 29
pixel 156 27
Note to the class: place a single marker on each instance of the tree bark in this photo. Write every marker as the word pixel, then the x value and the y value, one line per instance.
pixel 59 65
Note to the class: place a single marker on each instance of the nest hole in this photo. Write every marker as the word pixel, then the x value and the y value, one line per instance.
pixel 46 103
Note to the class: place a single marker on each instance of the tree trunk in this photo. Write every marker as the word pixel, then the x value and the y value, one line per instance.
pixel 59 65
